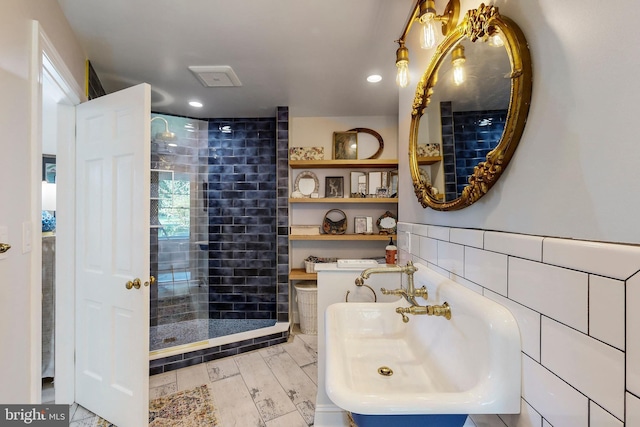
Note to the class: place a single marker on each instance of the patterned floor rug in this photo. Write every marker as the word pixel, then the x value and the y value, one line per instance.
pixel 189 408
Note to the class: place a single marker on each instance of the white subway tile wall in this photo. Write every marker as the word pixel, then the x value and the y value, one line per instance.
pixel 606 310
pixel 466 237
pixel 601 418
pixel 573 301
pixel 553 291
pixel 488 269
pixel 451 257
pixel 633 335
pixel 632 411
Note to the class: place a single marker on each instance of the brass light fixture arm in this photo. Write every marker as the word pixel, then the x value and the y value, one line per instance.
pixel 449 18
pixel 412 17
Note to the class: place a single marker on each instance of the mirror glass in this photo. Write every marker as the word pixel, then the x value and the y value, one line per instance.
pixel 370 143
pixel 358 184
pixel 477 123
pixel 306 183
pixel 465 120
pixel 306 186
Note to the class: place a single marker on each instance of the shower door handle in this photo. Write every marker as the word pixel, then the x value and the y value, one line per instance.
pixel 133 284
pixel 151 281
pixel 4 247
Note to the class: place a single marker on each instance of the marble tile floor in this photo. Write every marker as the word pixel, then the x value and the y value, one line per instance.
pixel 272 387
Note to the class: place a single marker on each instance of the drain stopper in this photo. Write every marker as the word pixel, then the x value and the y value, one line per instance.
pixel 385 371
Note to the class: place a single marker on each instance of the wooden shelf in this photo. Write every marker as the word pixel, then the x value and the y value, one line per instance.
pixel 429 160
pixel 343 164
pixel 345 200
pixel 344 237
pixel 301 274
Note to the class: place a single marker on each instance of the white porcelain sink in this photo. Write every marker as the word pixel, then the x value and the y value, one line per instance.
pixel 467 365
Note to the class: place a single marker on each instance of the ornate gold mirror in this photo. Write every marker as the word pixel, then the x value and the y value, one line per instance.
pixel 478 91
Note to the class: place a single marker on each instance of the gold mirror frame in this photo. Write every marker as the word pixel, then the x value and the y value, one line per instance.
pixel 477 25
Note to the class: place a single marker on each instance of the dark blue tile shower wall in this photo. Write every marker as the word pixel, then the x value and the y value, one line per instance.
pixel 282 143
pixel 235 293
pixel 467 138
pixel 448 151
pixel 475 133
pixel 242 194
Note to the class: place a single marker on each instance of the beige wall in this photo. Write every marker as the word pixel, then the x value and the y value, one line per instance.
pixel 15 174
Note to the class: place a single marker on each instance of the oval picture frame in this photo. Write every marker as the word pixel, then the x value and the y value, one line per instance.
pixel 307 175
pixel 376 135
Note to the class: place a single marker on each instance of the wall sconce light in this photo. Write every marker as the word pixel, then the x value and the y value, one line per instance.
pixel 402 63
pixel 457 60
pixel 425 12
pixel 428 17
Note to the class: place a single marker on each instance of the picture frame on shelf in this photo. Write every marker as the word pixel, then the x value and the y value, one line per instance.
pixel 360 225
pixel 387 223
pixel 358 184
pixel 375 181
pixel 334 187
pixel 345 145
pixel 393 183
pixel 382 192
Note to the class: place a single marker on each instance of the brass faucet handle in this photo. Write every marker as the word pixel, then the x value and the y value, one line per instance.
pixel 443 310
pixel 422 292
pixel 401 311
pixel 399 292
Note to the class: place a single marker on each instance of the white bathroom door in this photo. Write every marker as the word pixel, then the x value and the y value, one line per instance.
pixel 112 248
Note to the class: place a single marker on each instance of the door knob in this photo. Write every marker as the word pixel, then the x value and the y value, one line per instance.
pixel 151 281
pixel 4 247
pixel 133 284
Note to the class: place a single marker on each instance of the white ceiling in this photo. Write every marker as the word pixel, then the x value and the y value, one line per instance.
pixel 310 55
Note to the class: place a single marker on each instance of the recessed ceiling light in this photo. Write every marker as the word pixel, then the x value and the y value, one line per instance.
pixel 374 78
pixel 196 104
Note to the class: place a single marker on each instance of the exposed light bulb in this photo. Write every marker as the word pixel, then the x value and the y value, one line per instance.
pixel 457 60
pixel 428 34
pixel 402 62
pixel 495 40
pixel 458 74
pixel 402 78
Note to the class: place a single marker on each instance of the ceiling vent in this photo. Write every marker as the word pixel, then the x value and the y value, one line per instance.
pixel 215 75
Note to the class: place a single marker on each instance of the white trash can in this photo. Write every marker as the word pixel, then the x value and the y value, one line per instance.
pixel 307 297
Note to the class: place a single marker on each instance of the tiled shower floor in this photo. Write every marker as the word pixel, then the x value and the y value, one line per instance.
pixel 189 331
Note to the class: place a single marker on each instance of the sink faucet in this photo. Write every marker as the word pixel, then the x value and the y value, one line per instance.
pixel 430 310
pixel 408 294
